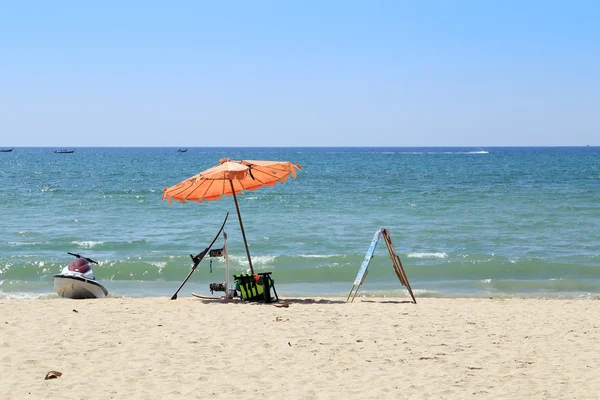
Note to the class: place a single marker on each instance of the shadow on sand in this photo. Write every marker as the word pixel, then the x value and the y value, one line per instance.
pixel 387 301
pixel 286 302
pixel 281 303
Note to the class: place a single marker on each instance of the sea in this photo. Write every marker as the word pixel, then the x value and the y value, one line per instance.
pixel 494 222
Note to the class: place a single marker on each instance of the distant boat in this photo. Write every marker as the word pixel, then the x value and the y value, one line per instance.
pixel 6 150
pixel 64 151
pixel 181 150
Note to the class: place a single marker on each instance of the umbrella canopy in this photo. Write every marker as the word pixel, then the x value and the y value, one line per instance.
pixel 231 178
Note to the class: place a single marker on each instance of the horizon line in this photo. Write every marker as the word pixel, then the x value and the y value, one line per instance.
pixel 300 147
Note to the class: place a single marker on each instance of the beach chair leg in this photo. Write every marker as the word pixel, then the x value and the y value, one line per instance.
pixel 266 289
pixel 274 291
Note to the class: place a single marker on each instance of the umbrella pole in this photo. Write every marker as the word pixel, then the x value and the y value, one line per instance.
pixel 242 227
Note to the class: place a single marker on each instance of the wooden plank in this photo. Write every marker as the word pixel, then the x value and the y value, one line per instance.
pixel 397 263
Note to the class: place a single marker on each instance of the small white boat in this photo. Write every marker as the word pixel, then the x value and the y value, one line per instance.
pixel 77 281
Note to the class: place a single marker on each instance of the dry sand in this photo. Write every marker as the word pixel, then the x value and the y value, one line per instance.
pixel 154 348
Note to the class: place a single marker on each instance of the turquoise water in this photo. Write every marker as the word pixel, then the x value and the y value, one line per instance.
pixel 493 222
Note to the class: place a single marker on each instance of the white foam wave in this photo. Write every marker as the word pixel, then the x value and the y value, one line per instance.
pixel 24 296
pixel 331 265
pixel 88 244
pixel 317 255
pixel 270 259
pixel 427 255
pixel 456 152
pixel 424 292
pixel 256 260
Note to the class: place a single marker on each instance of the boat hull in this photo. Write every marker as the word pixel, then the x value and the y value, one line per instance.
pixel 75 287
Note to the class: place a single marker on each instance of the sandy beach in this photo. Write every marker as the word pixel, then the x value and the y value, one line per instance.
pixel 142 348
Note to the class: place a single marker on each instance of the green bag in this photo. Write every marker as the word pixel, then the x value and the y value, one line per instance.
pixel 254 287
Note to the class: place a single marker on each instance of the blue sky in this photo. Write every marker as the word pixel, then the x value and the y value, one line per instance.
pixel 299 73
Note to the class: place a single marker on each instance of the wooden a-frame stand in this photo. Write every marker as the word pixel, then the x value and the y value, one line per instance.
pixel 397 264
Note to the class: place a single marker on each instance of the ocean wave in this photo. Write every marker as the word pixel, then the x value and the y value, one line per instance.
pixel 427 255
pixel 88 244
pixel 318 255
pixel 25 295
pixel 256 260
pixel 159 264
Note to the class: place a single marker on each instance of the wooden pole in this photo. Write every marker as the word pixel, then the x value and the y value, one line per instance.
pixel 350 294
pixel 241 226
pixel 396 263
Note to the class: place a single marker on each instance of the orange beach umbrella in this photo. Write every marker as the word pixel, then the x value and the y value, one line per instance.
pixel 231 178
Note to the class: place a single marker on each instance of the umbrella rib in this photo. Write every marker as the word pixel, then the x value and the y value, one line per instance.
pixel 224 188
pixel 201 194
pixel 189 183
pixel 270 175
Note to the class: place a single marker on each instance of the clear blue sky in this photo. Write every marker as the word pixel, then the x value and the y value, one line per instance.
pixel 299 73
